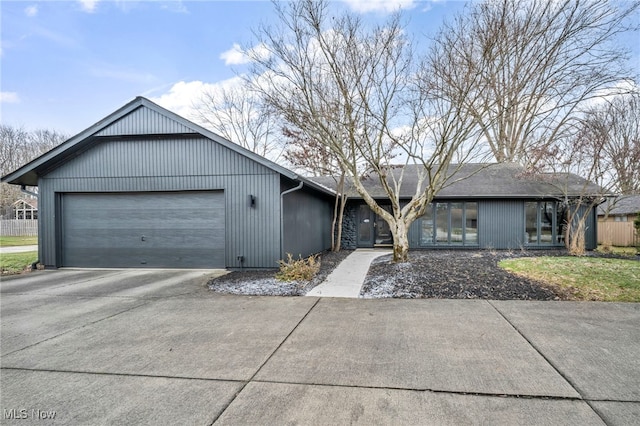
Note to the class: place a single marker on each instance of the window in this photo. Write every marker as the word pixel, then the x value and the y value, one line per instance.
pixel 471 223
pixel 449 224
pixel 426 227
pixel 442 222
pixel 544 223
pixel 620 218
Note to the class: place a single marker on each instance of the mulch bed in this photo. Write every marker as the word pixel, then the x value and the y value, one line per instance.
pixel 457 274
pixel 263 282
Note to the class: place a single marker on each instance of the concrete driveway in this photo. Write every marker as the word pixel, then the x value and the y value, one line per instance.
pixel 155 347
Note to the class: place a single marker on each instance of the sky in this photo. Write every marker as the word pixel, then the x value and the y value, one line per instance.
pixel 65 65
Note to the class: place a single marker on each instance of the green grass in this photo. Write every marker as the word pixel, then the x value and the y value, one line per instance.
pixel 18 241
pixel 583 278
pixel 14 263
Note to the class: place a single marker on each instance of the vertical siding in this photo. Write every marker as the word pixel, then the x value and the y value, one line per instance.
pixel 174 165
pixel 144 121
pixel 307 224
pixel 501 224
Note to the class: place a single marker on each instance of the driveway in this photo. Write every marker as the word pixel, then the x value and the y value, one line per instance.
pixel 155 347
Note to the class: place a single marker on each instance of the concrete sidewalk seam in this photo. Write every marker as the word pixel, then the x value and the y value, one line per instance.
pixel 75 328
pixel 215 419
pixel 550 362
pixel 439 391
pixel 106 373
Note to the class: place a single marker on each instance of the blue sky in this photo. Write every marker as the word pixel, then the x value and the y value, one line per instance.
pixel 67 64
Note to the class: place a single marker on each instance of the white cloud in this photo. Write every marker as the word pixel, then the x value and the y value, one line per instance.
pixel 31 11
pixel 9 98
pixel 234 56
pixel 237 56
pixel 365 6
pixel 183 97
pixel 88 6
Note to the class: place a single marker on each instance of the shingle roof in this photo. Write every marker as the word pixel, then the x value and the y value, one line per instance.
pixel 494 180
pixel 622 205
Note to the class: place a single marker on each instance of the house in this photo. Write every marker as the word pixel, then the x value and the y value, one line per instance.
pixel 145 187
pixel 615 221
pixel 26 209
pixel 485 206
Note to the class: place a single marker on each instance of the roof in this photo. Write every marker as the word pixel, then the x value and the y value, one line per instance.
pixel 481 180
pixel 622 205
pixel 31 202
pixel 28 174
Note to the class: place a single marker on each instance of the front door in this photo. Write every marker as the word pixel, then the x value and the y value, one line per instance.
pixel 372 229
pixel 366 228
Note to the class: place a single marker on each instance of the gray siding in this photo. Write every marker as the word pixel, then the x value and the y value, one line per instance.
pixel 307 224
pixel 501 224
pixel 173 165
pixel 144 121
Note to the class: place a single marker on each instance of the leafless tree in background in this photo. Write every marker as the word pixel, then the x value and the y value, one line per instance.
pixel 613 129
pixel 359 92
pixel 238 115
pixel 17 148
pixel 537 62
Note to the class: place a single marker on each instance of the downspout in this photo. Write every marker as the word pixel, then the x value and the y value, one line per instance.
pixel 282 194
pixel 23 189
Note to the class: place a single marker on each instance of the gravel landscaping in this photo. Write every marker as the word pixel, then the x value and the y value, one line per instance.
pixel 438 274
pixel 263 282
pixel 456 274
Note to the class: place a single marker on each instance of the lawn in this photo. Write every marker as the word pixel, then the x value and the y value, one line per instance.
pixel 14 263
pixel 585 278
pixel 18 241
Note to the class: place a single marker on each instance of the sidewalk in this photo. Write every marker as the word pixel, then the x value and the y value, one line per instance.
pixel 347 279
pixel 18 249
pixel 112 347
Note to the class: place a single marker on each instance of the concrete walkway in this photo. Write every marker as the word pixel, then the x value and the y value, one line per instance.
pixel 18 249
pixel 147 347
pixel 346 280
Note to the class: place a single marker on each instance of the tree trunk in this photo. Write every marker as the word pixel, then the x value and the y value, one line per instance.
pixel 338 213
pixel 343 201
pixel 399 232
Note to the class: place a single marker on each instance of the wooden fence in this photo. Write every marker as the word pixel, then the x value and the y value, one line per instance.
pixel 18 228
pixel 620 234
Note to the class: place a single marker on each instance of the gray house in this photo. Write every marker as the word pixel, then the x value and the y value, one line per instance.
pixel 487 206
pixel 146 188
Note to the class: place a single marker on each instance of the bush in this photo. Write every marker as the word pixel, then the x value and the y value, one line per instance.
pixel 298 269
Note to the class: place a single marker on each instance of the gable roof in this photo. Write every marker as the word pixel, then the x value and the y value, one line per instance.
pixel 31 202
pixel 126 121
pixel 622 205
pixel 480 180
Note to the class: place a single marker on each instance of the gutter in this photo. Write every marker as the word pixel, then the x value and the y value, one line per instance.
pixel 23 189
pixel 282 194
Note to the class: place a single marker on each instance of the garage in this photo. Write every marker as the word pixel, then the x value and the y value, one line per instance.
pixel 143 229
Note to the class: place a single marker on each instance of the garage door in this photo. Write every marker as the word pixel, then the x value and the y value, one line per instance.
pixel 144 229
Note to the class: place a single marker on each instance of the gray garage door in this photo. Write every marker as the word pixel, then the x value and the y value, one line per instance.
pixel 144 229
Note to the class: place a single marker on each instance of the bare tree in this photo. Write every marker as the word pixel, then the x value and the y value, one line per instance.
pixel 238 115
pixel 358 91
pixel 537 64
pixel 613 129
pixel 18 147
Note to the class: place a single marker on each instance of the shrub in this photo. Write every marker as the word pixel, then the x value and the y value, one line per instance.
pixel 298 269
